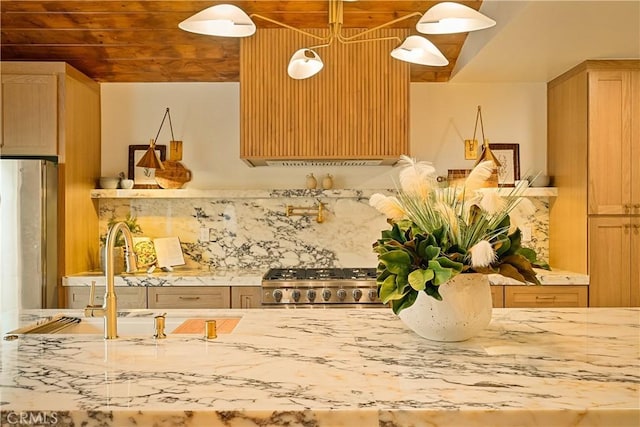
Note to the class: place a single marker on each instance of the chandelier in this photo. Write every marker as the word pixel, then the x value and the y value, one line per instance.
pixel 227 20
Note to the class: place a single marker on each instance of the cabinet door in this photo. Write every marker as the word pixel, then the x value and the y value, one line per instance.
pixel 635 142
pixel 246 297
pixel 128 297
pixel 190 297
pixel 610 261
pixel 29 115
pixel 610 137
pixel 545 296
pixel 635 262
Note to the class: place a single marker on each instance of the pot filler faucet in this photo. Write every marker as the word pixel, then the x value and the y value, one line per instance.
pixel 109 309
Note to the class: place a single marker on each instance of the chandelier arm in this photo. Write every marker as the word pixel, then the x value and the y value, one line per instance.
pixel 346 41
pixel 282 24
pixel 370 30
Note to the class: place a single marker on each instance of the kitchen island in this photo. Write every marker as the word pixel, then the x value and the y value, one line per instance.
pixel 314 367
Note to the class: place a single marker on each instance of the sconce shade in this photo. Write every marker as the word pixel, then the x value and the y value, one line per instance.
pixel 449 18
pixel 150 159
pixel 418 50
pixel 223 20
pixel 304 63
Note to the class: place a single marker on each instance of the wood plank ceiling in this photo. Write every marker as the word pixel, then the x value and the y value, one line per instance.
pixel 139 40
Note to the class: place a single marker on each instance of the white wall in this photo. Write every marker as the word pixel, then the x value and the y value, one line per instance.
pixel 205 116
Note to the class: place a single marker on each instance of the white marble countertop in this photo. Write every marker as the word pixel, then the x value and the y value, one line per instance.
pixel 530 367
pixel 180 277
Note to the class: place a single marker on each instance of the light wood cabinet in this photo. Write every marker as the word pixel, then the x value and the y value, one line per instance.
pixel 246 297
pixel 29 118
pixel 497 295
pixel 189 297
pixel 545 296
pixel 614 245
pixel 128 296
pixel 50 108
pixel 593 151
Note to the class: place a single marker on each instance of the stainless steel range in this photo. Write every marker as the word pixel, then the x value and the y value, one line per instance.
pixel 320 287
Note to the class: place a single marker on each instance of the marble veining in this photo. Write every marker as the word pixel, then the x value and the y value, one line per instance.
pixel 243 230
pixel 530 367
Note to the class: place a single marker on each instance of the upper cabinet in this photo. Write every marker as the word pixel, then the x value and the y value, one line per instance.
pixel 614 142
pixel 29 118
pixel 354 112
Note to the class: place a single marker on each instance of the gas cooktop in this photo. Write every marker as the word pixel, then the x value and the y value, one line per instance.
pixel 329 287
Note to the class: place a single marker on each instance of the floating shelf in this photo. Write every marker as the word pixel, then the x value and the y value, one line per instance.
pixel 268 194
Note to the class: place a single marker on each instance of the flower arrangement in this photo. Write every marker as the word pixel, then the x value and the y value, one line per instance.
pixel 438 233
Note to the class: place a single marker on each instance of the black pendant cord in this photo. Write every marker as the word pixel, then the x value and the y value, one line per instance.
pixel 166 113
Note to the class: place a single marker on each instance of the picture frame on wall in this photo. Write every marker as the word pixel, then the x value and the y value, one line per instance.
pixel 509 157
pixel 144 177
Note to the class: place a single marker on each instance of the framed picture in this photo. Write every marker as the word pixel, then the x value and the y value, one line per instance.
pixel 509 157
pixel 144 177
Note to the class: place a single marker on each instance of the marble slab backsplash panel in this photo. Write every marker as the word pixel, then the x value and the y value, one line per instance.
pixel 256 233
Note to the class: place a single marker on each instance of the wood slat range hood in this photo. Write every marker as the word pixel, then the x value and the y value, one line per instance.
pixel 353 113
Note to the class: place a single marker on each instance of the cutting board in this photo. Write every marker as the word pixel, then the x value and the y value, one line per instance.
pixel 224 325
pixel 174 175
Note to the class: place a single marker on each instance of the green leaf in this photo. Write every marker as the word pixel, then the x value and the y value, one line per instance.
pixel 419 278
pixel 529 254
pixel 449 263
pixel 397 261
pixel 398 305
pixel 389 291
pixel 432 291
pixel 442 274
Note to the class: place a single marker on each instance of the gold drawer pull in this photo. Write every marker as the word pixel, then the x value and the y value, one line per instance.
pixel 189 298
pixel 546 297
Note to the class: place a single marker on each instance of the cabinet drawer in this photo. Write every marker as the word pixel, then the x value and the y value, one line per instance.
pixel 246 297
pixel 190 297
pixel 128 296
pixel 545 296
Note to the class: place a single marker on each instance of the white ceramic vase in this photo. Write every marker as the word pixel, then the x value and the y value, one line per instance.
pixel 464 311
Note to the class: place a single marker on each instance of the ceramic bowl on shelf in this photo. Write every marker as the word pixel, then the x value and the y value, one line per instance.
pixel 108 182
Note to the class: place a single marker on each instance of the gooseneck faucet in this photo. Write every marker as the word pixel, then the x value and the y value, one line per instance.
pixel 109 309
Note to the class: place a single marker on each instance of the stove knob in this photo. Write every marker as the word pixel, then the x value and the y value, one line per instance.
pixel 357 294
pixel 341 294
pixel 277 295
pixel 295 295
pixel 311 295
pixel 326 294
pixel 373 294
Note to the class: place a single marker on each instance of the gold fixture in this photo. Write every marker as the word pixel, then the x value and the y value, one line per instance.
pixel 210 329
pixel 109 308
pixel 228 20
pixel 158 323
pixel 317 210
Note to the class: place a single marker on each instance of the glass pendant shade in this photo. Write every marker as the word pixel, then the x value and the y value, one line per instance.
pixel 450 18
pixel 304 64
pixel 223 20
pixel 418 50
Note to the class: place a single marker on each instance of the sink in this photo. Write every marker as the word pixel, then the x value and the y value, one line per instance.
pixel 128 326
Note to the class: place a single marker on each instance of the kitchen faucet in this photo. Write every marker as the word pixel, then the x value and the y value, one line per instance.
pixel 109 309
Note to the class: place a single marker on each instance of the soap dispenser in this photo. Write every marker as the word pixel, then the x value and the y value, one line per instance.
pixel 327 182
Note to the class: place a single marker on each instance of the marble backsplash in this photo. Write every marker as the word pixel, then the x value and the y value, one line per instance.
pixel 242 232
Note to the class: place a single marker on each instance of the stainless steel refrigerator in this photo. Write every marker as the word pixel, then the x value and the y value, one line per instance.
pixel 28 233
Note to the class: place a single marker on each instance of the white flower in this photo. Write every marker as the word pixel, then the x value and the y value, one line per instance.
pixel 417 177
pixel 388 205
pixel 482 254
pixel 492 202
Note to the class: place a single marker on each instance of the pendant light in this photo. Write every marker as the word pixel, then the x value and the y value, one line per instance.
pixel 304 64
pixel 450 18
pixel 418 50
pixel 225 20
pixel 230 21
